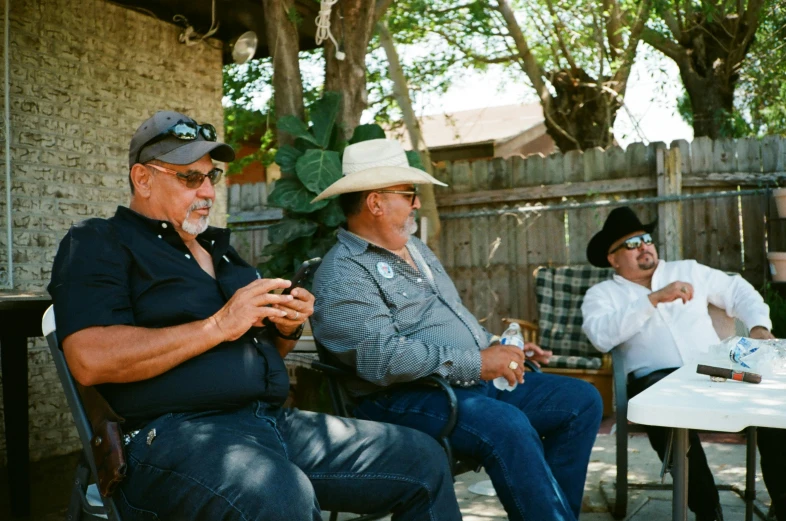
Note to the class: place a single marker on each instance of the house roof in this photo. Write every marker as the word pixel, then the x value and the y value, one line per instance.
pixel 486 125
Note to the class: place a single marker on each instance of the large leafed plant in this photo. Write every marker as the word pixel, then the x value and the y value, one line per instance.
pixel 314 162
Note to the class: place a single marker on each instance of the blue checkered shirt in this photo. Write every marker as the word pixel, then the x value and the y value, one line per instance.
pixel 389 321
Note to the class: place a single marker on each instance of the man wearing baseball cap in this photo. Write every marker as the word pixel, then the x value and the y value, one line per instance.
pixel 656 313
pixel 159 313
pixel 386 307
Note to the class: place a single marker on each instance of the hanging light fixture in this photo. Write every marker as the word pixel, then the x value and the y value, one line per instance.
pixel 244 47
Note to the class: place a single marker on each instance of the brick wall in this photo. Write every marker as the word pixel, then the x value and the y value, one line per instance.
pixel 84 75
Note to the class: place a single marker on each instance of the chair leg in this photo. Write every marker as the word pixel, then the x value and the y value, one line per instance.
pixel 667 463
pixel 750 473
pixel 78 487
pixel 621 497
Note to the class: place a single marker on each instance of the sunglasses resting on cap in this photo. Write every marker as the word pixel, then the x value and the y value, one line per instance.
pixel 185 130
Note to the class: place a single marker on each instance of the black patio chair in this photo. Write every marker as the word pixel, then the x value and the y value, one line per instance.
pixel 86 504
pixel 337 374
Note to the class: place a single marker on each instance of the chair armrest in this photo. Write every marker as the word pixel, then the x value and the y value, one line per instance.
pixel 331 370
pixel 606 361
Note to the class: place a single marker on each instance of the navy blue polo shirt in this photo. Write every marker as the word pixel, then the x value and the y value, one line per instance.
pixel 136 271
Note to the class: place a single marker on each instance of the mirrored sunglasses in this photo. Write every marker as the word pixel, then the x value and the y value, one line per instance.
pixel 634 243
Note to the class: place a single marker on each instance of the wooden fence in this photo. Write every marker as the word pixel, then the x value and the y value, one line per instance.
pixel 492 256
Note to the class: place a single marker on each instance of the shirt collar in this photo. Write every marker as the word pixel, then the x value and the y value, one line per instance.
pixel 354 243
pixel 217 238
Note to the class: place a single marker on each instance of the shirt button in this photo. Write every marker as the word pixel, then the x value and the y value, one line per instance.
pixel 420 280
pixel 404 293
pixel 477 337
pixel 163 225
pixel 188 256
pixel 160 237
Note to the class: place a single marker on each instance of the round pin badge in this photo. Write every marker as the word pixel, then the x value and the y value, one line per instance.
pixel 385 270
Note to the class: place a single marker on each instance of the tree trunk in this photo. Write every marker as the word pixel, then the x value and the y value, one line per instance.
pixel 709 53
pixel 352 23
pixel 581 110
pixel 283 42
pixel 428 208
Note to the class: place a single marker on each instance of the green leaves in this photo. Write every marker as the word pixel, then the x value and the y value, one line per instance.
pixel 290 194
pixel 289 229
pixel 366 132
pixel 318 169
pixel 324 113
pixel 286 157
pixel 297 128
pixel 331 215
pixel 413 158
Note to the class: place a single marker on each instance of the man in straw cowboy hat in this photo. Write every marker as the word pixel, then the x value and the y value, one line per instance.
pixel 386 306
pixel 656 313
pixel 161 314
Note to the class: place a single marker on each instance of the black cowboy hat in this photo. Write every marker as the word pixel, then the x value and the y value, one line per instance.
pixel 620 222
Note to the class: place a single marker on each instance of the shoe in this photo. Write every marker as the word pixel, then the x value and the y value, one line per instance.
pixel 716 515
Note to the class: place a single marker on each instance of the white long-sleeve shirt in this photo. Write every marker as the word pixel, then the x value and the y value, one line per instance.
pixel 618 313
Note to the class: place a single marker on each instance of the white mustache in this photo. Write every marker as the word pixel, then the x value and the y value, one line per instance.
pixel 201 203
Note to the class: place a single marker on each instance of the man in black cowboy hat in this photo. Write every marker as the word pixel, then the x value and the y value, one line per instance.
pixel 656 313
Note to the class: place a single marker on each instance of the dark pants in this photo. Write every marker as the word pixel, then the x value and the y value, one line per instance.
pixel 534 442
pixel 263 463
pixel 772 450
pixel 703 496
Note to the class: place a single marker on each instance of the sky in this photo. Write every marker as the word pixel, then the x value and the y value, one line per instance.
pixel 650 111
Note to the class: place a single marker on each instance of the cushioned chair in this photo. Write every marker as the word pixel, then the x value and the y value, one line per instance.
pixel 86 503
pixel 337 374
pixel 560 293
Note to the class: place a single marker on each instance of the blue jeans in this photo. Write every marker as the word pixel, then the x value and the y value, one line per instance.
pixel 534 442
pixel 267 463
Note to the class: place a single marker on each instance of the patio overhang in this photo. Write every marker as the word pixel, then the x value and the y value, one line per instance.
pixel 234 18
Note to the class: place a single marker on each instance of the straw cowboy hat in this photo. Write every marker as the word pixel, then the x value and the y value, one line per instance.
pixel 373 164
pixel 620 222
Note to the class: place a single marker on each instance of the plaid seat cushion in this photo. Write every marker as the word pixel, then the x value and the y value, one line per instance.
pixel 560 293
pixel 575 362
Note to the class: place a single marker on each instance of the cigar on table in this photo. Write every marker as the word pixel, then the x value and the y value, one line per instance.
pixel 740 376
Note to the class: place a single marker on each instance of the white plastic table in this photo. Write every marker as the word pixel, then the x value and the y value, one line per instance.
pixel 687 400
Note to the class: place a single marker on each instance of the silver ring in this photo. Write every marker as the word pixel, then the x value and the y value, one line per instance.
pixel 297 314
pixel 513 365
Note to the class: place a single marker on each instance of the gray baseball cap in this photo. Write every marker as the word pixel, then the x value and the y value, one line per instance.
pixel 172 149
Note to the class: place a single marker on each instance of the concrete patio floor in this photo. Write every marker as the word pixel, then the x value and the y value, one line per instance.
pixel 726 459
pixel 51 481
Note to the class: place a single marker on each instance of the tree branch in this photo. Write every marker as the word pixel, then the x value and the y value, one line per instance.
pixel 662 43
pixel 471 54
pixel 379 9
pixel 613 27
pixel 557 33
pixel 620 78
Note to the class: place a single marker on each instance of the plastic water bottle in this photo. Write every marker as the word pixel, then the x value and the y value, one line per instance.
pixel 511 337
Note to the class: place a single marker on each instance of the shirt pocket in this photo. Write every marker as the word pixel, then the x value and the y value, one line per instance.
pixel 405 300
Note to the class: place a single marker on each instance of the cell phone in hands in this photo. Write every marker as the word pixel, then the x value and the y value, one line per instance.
pixel 304 271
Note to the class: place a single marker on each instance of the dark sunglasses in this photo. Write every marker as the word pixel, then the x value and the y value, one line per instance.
pixel 185 130
pixel 413 193
pixel 634 243
pixel 192 179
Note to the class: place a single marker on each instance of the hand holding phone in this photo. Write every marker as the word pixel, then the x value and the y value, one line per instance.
pixel 306 269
